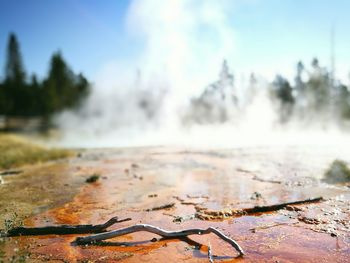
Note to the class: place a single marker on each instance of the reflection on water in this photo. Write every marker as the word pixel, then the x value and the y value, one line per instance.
pixel 214 180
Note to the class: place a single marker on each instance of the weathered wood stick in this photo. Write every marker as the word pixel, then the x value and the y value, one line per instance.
pixel 257 178
pixel 205 214
pixel 210 256
pixel 10 172
pixel 63 229
pixel 158 231
pixel 166 206
pixel 270 208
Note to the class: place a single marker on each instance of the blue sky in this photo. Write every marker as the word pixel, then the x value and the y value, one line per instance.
pixel 87 32
pixel 270 35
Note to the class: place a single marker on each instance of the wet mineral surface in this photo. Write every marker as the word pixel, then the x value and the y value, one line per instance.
pixel 176 189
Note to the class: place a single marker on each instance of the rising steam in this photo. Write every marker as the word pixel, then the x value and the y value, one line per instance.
pixel 163 96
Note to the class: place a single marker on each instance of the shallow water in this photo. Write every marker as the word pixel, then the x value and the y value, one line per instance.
pixel 136 179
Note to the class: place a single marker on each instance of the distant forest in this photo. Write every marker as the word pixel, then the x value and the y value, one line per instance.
pixel 26 96
pixel 314 96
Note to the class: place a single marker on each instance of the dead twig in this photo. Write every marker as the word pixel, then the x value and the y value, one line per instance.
pixel 205 214
pixel 166 206
pixel 256 178
pixel 245 171
pixel 197 196
pixel 184 202
pixel 271 208
pixel 63 229
pixel 156 230
pixel 210 256
pixel 10 172
pixel 253 230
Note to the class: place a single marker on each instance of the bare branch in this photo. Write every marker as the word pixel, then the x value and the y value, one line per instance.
pixel 257 178
pixel 10 172
pixel 210 256
pixel 158 231
pixel 204 214
pixel 270 208
pixel 166 206
pixel 64 229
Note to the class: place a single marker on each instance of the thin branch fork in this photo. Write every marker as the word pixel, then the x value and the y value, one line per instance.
pixel 161 232
pixel 63 229
pixel 210 255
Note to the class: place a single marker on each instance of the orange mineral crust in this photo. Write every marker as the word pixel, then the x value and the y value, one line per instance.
pixel 177 189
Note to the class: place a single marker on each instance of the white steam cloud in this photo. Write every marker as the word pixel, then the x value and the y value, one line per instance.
pixel 185 41
pixel 141 102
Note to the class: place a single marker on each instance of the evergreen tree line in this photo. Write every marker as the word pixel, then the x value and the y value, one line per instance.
pixel 23 96
pixel 314 95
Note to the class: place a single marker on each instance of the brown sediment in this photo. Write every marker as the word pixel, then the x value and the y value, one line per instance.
pixel 37 189
pixel 201 181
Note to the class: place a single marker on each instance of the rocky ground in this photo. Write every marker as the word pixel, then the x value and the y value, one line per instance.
pixel 177 189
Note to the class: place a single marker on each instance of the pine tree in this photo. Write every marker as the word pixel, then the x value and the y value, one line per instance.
pixel 343 102
pixel 14 84
pixel 318 89
pixel 63 89
pixel 14 71
pixel 35 98
pixel 283 91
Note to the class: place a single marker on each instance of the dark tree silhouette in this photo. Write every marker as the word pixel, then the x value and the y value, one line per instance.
pixel 283 91
pixel 342 101
pixel 63 89
pixel 14 70
pixel 318 89
pixel 14 85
